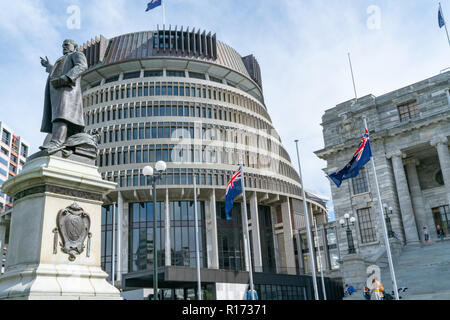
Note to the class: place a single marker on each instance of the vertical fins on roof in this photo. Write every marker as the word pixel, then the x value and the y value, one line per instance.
pixel 157 38
pixel 90 57
pixel 194 42
pixel 199 43
pixel 173 41
pixel 169 38
pixel 203 43
pixel 188 41
pixel 253 69
pixel 94 50
pixel 214 46
pixel 176 40
pixel 182 40
pixel 208 45
pixel 164 38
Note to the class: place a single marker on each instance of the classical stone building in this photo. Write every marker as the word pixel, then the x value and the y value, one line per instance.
pixel 409 132
pixel 182 96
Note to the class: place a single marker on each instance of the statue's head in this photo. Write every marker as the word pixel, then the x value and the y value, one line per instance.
pixel 69 46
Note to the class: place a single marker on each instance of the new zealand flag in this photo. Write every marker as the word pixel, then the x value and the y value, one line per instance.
pixel 360 158
pixel 441 18
pixel 153 4
pixel 234 188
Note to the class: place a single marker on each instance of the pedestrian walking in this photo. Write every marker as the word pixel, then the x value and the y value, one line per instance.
pixel 426 235
pixel 440 233
pixel 377 289
pixel 349 289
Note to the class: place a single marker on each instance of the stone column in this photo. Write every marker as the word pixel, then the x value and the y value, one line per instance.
pixel 408 219
pixel 2 233
pixel 273 215
pixel 212 250
pixel 167 252
pixel 325 250
pixel 422 218
pixel 288 237
pixel 256 238
pixel 311 225
pixel 301 267
pixel 441 144
pixel 123 208
pixel 119 237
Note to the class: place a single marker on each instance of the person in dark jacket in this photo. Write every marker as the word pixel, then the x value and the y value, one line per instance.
pixel 349 289
pixel 366 293
pixel 63 105
pixel 440 233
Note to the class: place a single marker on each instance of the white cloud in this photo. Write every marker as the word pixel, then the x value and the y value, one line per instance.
pixel 28 31
pixel 27 27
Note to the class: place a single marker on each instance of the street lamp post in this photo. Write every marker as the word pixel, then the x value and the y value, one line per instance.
pixel 346 223
pixel 160 168
pixel 387 213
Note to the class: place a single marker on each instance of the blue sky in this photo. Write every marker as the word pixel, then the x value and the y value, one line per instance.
pixel 301 46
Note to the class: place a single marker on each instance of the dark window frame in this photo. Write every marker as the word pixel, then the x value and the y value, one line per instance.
pixel 366 225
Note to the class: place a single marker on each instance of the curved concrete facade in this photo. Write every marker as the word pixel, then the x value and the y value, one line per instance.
pixel 200 111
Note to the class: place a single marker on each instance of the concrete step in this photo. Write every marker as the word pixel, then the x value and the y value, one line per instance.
pixel 424 270
pixel 430 296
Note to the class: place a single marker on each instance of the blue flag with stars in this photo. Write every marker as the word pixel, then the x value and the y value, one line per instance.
pixel 153 4
pixel 441 18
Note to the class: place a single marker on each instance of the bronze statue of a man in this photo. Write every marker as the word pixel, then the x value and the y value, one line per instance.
pixel 63 106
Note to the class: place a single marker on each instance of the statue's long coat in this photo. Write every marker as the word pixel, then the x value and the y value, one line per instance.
pixel 65 103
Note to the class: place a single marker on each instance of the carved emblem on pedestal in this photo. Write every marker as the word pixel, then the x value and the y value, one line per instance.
pixel 73 224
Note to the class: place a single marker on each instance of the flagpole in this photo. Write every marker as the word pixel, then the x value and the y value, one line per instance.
pixel 353 78
pixel 197 247
pixel 163 12
pixel 249 253
pixel 320 260
pixel 308 229
pixel 445 23
pixel 383 223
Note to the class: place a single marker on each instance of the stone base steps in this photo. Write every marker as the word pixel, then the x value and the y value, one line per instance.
pixel 424 270
pixel 407 296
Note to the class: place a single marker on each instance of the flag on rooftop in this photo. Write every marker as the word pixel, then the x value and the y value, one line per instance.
pixel 153 4
pixel 441 17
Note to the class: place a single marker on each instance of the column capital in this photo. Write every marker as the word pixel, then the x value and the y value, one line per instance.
pixel 395 154
pixel 413 161
pixel 438 139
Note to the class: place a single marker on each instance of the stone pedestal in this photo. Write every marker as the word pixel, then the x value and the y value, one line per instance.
pixel 396 248
pixel 37 268
pixel 354 270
